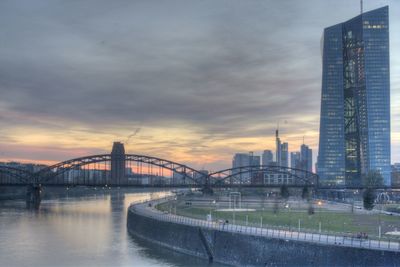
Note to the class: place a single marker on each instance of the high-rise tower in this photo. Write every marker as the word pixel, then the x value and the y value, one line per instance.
pixel 118 164
pixel 278 148
pixel 355 100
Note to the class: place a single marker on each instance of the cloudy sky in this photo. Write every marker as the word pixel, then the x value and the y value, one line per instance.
pixel 195 80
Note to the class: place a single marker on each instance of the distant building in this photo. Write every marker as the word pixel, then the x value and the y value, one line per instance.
pixel 178 178
pixel 243 160
pixel 282 151
pixel 305 158
pixel 255 160
pixel 278 148
pixel 118 164
pixel 285 155
pixel 395 174
pixel 240 160
pixel 267 157
pixel 295 160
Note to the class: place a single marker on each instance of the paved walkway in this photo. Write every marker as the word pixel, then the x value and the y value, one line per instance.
pixel 148 209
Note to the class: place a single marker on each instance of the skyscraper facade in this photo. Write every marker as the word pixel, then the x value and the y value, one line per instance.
pixel 278 146
pixel 282 151
pixel 305 158
pixel 295 160
pixel 267 157
pixel 285 155
pixel 118 164
pixel 244 160
pixel 355 100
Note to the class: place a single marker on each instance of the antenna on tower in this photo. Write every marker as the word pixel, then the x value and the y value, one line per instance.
pixel 277 130
pixel 361 6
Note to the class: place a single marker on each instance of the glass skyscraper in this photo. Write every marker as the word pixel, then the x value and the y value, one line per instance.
pixel 355 101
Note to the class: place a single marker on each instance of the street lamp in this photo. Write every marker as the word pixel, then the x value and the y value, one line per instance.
pixel 213 205
pixel 290 217
pixel 319 213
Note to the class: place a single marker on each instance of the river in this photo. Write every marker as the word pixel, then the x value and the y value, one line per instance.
pixel 80 231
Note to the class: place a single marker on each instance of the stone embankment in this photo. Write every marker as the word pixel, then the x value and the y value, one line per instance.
pixel 252 246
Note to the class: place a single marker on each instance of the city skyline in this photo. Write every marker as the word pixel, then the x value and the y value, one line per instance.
pixel 95 85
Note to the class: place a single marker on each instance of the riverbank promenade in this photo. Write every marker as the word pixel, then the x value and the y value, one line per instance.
pixel 148 209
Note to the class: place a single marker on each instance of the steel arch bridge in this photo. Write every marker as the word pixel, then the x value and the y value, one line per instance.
pixel 108 170
pixel 15 176
pixel 97 170
pixel 263 176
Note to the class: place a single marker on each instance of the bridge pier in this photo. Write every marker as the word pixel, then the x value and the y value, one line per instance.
pixel 207 190
pixel 33 196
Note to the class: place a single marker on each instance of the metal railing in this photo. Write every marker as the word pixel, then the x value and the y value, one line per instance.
pixel 147 210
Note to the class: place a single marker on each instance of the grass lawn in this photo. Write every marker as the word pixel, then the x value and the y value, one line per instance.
pixel 332 221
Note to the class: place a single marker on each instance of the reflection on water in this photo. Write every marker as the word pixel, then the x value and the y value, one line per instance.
pixel 79 231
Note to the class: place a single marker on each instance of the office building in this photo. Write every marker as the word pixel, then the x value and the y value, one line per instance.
pixel 395 175
pixel 281 152
pixel 243 160
pixel 305 158
pixel 295 160
pixel 278 148
pixel 285 155
pixel 118 164
pixel 355 100
pixel 267 157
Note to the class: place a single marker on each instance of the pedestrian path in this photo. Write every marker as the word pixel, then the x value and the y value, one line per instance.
pixel 148 209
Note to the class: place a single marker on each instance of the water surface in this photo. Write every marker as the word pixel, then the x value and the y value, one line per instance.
pixel 80 231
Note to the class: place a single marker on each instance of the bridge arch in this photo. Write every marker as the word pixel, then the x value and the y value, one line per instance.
pixel 14 175
pixel 255 176
pixel 54 172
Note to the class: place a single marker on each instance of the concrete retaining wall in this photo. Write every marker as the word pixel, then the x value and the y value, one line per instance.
pixel 248 250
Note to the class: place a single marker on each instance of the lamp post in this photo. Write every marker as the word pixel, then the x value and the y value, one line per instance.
pixel 299 225
pixel 212 205
pixel 319 213
pixel 382 199
pixel 290 217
